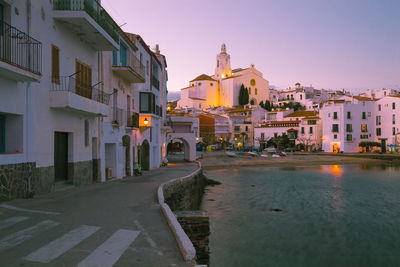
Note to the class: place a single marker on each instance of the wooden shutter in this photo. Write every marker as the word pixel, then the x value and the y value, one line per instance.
pixel 55 64
pixel 83 80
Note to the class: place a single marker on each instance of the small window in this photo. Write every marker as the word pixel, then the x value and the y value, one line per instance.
pixel 311 130
pixel 255 91
pixel 394 131
pixel 379 107
pixel 393 119
pixel 55 64
pixel 335 115
pixel 252 82
pixel 335 128
pixel 147 68
pixel 349 137
pixel 369 114
pixel 364 116
pixel 335 136
pixel 211 84
pixel 249 90
pixel 348 115
pixel 302 130
pixel 86 133
pixel 393 105
pixel 349 128
pixel 199 84
pixel 378 132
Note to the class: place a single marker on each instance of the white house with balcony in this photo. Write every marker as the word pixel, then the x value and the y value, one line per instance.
pixel 151 100
pixel 121 69
pixel 52 118
pixel 346 122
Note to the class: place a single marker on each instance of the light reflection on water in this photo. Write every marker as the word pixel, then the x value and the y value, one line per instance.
pixel 331 215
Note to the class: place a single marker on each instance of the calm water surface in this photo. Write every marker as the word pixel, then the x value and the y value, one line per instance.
pixel 313 216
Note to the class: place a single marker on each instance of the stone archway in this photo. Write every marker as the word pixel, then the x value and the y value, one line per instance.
pixel 253 101
pixel 189 144
pixel 145 155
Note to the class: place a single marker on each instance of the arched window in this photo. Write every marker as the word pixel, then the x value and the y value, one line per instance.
pixel 255 91
pixel 249 90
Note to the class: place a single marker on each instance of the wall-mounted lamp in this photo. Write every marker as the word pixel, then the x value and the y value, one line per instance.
pixel 145 122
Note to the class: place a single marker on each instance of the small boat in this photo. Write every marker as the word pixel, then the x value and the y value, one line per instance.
pixel 264 156
pixel 230 154
pixel 240 154
pixel 276 156
pixel 254 154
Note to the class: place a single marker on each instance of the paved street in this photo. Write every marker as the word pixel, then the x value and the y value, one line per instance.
pixel 116 223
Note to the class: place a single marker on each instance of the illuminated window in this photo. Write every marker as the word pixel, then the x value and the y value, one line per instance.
pixel 249 90
pixel 253 82
pixel 255 91
pixel 364 128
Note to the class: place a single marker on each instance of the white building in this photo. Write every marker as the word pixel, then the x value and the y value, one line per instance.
pixel 387 120
pixel 222 88
pixel 121 69
pixel 346 122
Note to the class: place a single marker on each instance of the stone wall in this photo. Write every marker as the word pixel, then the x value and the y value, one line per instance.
pixel 185 194
pixel 184 197
pixel 80 173
pixel 14 179
pixel 196 225
pixel 22 179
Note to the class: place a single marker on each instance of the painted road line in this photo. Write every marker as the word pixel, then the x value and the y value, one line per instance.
pixel 110 251
pixel 26 210
pixel 11 221
pixel 18 237
pixel 61 245
pixel 147 237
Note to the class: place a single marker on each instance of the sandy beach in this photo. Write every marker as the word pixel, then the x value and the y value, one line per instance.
pixel 212 160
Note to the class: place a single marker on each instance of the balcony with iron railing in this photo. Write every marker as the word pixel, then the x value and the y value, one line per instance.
pixel 71 94
pixel 130 68
pixel 20 54
pixel 90 21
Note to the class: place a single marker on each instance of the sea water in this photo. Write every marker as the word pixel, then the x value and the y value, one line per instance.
pixel 328 215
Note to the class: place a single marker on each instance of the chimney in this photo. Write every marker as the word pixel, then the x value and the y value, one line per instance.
pixel 157 49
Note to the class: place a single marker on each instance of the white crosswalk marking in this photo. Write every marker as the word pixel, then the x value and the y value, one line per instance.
pixel 110 251
pixel 19 237
pixel 11 221
pixel 61 245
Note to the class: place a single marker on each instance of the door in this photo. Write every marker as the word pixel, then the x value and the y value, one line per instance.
pixel 61 156
pixel 122 54
pixel 2 134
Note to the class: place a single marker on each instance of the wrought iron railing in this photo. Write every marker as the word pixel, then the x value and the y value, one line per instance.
pixel 155 82
pixel 94 10
pixel 132 119
pixel 70 84
pixel 19 49
pixel 133 63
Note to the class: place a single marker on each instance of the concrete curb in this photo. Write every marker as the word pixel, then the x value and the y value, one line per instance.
pixel 185 245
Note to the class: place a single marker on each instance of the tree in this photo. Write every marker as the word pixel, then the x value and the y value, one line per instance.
pixel 243 96
pixel 306 142
pixel 267 105
pixel 261 104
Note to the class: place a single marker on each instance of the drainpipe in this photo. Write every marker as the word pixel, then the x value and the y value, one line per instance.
pixel 27 102
pixel 99 119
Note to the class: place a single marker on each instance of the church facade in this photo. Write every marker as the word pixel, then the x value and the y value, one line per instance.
pixel 222 88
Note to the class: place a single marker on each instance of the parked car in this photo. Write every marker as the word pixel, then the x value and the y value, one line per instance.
pixel 289 149
pixel 270 150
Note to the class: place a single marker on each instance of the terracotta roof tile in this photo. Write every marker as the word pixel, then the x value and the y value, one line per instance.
pixel 203 77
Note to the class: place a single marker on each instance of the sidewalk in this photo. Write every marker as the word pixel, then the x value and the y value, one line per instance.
pixel 116 223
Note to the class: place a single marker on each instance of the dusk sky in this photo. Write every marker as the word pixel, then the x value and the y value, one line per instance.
pixel 351 44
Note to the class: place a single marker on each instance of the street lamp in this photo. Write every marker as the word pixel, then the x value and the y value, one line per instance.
pixel 145 122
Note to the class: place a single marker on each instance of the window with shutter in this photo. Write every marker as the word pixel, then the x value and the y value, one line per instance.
pixel 83 85
pixel 55 64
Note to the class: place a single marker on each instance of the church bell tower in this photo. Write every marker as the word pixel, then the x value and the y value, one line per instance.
pixel 223 68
